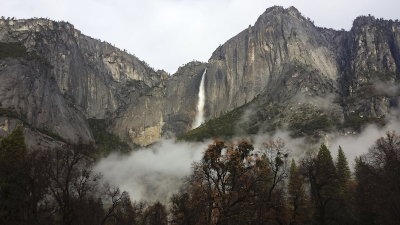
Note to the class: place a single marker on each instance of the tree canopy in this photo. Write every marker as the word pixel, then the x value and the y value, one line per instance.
pixel 233 183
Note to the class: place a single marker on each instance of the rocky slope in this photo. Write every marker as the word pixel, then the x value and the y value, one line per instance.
pixel 284 72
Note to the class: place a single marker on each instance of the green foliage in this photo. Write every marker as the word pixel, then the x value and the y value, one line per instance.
pixel 325 161
pixel 13 145
pixel 13 175
pixel 106 142
pixel 344 204
pixel 342 168
pixel 224 126
pixel 381 75
pixel 363 94
pixel 365 196
pixel 356 122
pixel 298 200
pixel 134 83
pixel 6 112
pixel 232 184
pixel 51 134
pixel 13 50
pixel 9 113
pixel 13 114
pixel 366 91
pixel 18 50
pixel 321 174
pixel 301 126
pixel 377 173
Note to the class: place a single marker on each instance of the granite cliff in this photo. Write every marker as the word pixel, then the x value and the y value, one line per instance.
pixel 62 77
pixel 309 80
pixel 283 72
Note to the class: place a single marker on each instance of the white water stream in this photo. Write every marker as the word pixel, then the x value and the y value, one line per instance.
pixel 199 119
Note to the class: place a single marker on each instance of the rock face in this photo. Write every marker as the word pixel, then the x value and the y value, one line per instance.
pixel 166 110
pixel 71 78
pixel 306 79
pixel 269 54
pixel 284 69
pixel 370 67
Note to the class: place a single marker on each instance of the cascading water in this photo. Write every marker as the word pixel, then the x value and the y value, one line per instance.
pixel 199 119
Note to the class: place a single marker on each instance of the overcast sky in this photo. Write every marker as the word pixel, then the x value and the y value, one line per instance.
pixel 169 33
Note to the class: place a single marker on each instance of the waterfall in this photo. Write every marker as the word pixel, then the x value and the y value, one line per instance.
pixel 199 119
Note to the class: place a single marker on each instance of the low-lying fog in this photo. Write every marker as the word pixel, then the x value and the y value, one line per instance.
pixel 155 173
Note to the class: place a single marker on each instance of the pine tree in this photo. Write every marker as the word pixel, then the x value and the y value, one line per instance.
pixel 12 154
pixel 13 146
pixel 320 171
pixel 325 163
pixel 326 182
pixel 297 196
pixel 345 189
pixel 13 176
pixel 342 169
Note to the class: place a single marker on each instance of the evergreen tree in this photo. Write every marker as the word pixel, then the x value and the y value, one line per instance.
pixel 326 183
pixel 378 176
pixel 13 146
pixel 156 214
pixel 342 169
pixel 297 196
pixel 345 189
pixel 13 176
pixel 320 171
pixel 325 162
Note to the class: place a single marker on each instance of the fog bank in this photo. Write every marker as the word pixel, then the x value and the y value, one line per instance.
pixel 154 173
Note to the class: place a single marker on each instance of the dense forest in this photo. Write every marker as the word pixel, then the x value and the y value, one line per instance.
pixel 232 184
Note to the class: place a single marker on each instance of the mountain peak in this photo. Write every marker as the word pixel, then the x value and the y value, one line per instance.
pixel 293 9
pixel 281 9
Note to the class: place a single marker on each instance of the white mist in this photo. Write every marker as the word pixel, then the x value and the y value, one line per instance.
pixel 199 119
